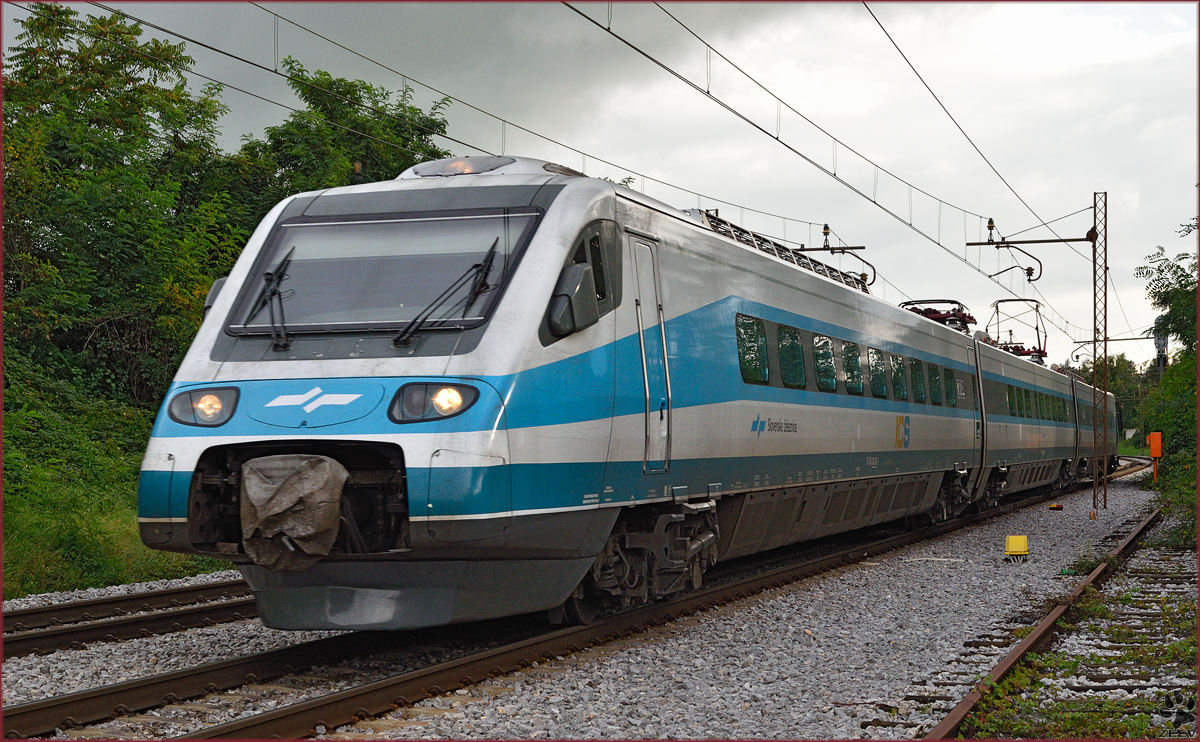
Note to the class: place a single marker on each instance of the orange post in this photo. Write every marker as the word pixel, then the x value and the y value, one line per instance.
pixel 1154 440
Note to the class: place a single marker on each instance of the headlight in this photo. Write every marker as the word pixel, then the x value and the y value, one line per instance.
pixel 430 401
pixel 206 407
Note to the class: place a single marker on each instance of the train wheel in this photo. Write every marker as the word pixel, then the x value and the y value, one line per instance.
pixel 582 607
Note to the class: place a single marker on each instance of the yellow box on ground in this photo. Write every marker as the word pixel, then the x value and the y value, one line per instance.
pixel 1016 545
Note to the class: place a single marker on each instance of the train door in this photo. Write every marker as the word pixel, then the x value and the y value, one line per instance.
pixel 648 308
pixel 979 442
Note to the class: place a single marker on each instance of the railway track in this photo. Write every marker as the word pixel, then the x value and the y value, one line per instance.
pixel 71 625
pixel 331 710
pixel 1083 682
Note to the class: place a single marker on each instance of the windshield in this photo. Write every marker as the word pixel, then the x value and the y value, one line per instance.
pixel 378 275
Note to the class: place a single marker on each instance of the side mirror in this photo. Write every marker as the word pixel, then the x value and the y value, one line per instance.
pixel 212 295
pixel 573 306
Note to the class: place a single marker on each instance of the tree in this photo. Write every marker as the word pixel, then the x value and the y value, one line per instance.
pixel 1171 406
pixel 346 121
pixel 1125 382
pixel 1171 288
pixel 109 245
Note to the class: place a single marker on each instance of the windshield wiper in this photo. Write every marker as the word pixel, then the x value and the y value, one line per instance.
pixel 480 285
pixel 479 271
pixel 269 295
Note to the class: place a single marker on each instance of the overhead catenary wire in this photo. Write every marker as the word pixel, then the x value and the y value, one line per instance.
pixel 289 78
pixel 784 104
pixel 836 142
pixel 1043 223
pixel 509 123
pixel 406 77
pixel 731 109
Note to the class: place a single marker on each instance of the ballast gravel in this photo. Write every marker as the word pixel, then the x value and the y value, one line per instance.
pixel 34 677
pixel 833 656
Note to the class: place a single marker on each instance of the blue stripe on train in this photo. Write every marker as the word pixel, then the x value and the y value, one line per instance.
pixel 701 346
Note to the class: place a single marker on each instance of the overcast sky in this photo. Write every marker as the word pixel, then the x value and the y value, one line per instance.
pixel 1063 99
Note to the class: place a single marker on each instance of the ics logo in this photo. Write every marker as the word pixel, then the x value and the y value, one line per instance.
pixel 902 431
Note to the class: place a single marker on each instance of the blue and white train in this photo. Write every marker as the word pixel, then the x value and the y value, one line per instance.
pixel 542 391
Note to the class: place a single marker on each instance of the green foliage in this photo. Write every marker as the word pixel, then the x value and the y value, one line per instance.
pixel 1171 406
pixel 1171 287
pixel 71 463
pixel 108 250
pixel 346 121
pixel 1125 382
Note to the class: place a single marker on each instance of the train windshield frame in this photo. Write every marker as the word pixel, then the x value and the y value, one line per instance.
pixel 378 273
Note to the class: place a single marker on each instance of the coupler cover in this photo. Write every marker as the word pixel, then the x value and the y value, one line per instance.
pixel 290 509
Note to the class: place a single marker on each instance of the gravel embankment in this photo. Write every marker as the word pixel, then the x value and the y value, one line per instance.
pixel 815 659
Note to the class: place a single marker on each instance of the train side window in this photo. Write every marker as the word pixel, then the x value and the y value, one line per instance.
pixel 951 387
pixel 752 349
pixel 1011 395
pixel 899 385
pixel 918 379
pixel 852 364
pixel 1028 403
pixel 597 246
pixel 878 372
pixel 1042 409
pixel 935 384
pixel 791 358
pixel 1037 406
pixel 823 355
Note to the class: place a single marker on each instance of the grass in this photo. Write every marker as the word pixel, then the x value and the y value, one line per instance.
pixel 1132 448
pixel 71 465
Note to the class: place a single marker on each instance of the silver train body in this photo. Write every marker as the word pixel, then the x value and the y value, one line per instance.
pixel 641 393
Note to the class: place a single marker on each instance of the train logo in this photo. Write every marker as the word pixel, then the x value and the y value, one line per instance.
pixel 292 400
pixel 758 425
pixel 902 431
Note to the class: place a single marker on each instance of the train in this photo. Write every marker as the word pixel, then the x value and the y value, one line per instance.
pixel 495 386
